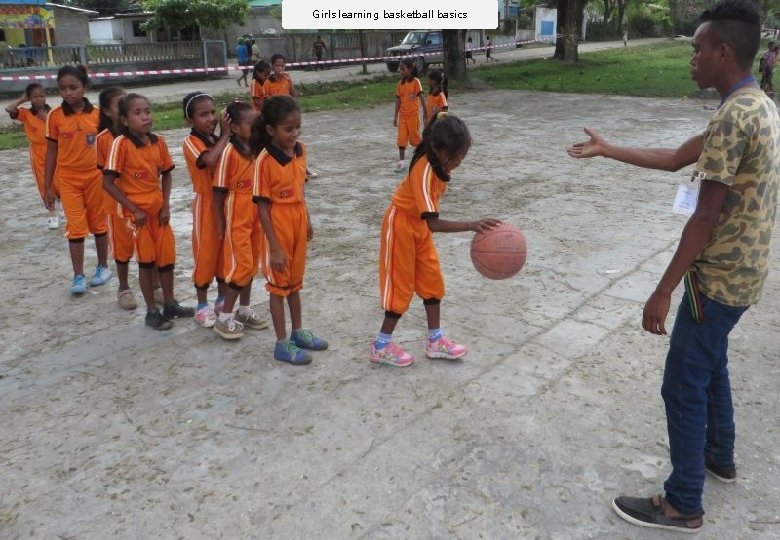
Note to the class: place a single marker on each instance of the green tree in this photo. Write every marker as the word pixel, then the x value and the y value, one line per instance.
pixel 104 7
pixel 179 14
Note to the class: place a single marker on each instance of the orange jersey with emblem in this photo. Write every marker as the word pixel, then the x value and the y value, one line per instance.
pixel 279 87
pixel 75 134
pixel 409 92
pixel 257 91
pixel 102 146
pixel 419 193
pixel 138 166
pixel 234 171
pixel 202 176
pixel 436 101
pixel 279 178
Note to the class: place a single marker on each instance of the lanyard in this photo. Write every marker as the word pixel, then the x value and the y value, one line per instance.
pixel 744 82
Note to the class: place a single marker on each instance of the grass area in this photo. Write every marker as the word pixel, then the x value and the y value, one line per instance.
pixel 658 70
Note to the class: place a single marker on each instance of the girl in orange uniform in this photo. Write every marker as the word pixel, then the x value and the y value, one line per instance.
pixel 202 150
pixel 71 129
pixel 437 94
pixel 279 176
pixel 259 75
pixel 408 100
pixel 408 261
pixel 238 225
pixel 279 83
pixel 34 122
pixel 138 159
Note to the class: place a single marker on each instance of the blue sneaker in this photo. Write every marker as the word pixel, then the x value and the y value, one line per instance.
pixel 289 352
pixel 102 274
pixel 78 285
pixel 306 340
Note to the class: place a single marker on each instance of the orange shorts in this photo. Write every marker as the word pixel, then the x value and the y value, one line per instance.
pixel 291 228
pixel 408 261
pixel 83 202
pixel 120 237
pixel 38 165
pixel 243 239
pixel 154 242
pixel 206 244
pixel 408 130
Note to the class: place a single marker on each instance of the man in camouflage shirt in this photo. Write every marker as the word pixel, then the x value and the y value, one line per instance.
pixel 723 257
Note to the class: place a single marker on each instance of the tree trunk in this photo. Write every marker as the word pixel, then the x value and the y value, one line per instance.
pixel 570 33
pixel 454 57
pixel 621 13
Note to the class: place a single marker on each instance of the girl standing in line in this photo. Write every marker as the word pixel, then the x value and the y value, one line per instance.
pixel 202 150
pixel 136 164
pixel 34 122
pixel 238 225
pixel 278 180
pixel 71 129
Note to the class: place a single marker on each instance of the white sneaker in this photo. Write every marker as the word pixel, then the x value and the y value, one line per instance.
pixel 54 221
pixel 400 166
pixel 59 211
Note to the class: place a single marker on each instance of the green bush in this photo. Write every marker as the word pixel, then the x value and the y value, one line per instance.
pixel 641 26
pixel 598 31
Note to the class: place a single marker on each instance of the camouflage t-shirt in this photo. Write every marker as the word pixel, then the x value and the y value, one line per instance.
pixel 741 150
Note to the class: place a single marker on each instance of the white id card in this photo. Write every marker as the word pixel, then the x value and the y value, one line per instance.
pixel 687 197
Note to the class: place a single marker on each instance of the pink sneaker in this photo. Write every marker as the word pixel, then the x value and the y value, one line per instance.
pixel 392 355
pixel 206 317
pixel 444 348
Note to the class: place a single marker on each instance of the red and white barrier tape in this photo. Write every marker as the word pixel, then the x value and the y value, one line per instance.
pixel 188 71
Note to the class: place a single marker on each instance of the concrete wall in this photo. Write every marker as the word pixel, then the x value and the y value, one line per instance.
pixel 71 26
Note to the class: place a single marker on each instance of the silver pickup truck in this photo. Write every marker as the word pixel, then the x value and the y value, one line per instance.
pixel 425 47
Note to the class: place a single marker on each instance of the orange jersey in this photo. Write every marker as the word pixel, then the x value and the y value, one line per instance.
pixel 35 130
pixel 436 101
pixel 75 134
pixel 279 178
pixel 281 87
pixel 103 145
pixel 409 92
pixel 257 91
pixel 138 166
pixel 234 171
pixel 202 176
pixel 419 193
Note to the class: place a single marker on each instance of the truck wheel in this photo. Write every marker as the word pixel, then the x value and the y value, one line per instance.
pixel 391 67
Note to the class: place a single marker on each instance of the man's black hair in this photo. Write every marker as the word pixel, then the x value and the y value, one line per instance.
pixel 736 23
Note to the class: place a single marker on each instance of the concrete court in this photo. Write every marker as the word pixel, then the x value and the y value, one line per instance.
pixel 111 430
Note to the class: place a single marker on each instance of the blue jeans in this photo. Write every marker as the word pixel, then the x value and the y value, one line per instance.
pixel 697 394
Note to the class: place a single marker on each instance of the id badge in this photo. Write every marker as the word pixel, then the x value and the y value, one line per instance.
pixel 687 196
pixel 91 139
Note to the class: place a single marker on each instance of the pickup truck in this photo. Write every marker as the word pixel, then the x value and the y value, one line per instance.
pixel 424 46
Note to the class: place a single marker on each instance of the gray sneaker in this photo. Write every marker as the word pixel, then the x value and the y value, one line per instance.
pixel 251 319
pixel 230 329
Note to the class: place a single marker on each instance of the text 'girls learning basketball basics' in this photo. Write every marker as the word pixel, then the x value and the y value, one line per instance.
pixel 408 261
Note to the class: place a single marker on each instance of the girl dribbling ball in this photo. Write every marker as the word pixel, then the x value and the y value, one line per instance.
pixel 408 261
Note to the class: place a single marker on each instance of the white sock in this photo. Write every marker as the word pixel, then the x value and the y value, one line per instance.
pixel 244 310
pixel 224 317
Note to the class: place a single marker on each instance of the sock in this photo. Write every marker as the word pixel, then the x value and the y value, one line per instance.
pixel 201 305
pixel 435 334
pixel 295 332
pixel 282 342
pixel 219 299
pixel 382 340
pixel 244 310
pixel 150 311
pixel 225 316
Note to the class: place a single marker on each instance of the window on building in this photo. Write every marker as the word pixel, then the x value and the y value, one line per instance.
pixel 138 30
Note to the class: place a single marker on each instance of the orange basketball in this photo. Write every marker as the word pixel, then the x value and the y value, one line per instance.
pixel 500 252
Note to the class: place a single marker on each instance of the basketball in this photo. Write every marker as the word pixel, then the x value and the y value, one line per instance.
pixel 500 252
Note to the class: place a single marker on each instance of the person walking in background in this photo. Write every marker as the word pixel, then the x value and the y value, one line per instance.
pixel 318 48
pixel 766 67
pixel 242 57
pixel 255 51
pixel 723 258
pixel 469 52
pixel 489 50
